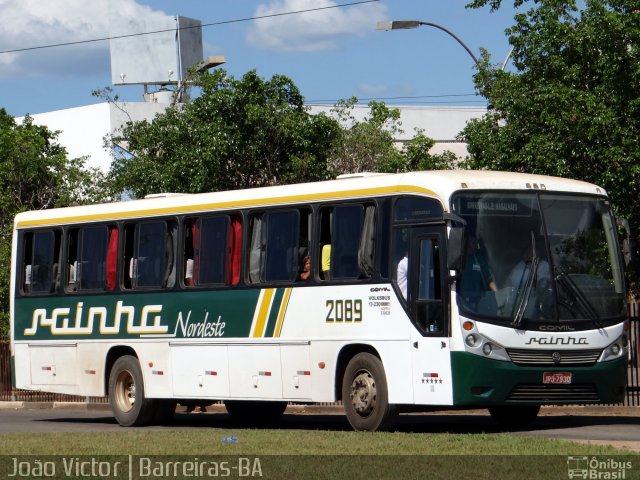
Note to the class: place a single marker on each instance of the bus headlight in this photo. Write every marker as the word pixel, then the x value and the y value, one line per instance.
pixel 617 349
pixel 471 340
pixel 478 344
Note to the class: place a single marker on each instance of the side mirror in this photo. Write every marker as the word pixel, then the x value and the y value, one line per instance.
pixel 628 247
pixel 455 246
pixel 456 241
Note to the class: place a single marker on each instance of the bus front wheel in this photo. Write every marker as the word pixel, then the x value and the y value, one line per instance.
pixel 126 393
pixel 365 395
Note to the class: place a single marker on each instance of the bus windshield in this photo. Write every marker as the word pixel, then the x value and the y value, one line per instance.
pixel 539 258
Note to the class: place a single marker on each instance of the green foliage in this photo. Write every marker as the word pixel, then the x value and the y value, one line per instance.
pixel 35 174
pixel 366 145
pixel 572 107
pixel 253 132
pixel 369 146
pixel 418 157
pixel 236 134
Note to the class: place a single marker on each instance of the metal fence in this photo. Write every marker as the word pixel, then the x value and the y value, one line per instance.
pixel 633 383
pixel 8 393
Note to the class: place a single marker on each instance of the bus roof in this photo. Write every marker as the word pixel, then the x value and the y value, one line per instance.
pixel 438 183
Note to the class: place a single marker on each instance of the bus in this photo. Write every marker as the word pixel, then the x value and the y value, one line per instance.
pixel 386 292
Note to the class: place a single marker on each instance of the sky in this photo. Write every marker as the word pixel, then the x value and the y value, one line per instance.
pixel 330 54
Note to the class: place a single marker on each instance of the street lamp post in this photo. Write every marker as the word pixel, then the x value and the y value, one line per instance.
pixel 407 24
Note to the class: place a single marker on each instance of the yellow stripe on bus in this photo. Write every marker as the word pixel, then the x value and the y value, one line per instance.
pixel 205 207
pixel 263 314
pixel 283 310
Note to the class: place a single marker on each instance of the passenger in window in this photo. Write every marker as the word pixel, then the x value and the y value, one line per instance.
pixel 325 261
pixel 402 273
pixel 477 278
pixel 519 274
pixel 305 263
pixel 402 266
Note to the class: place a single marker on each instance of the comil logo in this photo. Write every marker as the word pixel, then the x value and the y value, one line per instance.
pixel 598 468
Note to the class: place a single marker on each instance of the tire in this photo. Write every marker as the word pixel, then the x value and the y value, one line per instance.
pixel 514 416
pixel 253 411
pixel 365 394
pixel 126 394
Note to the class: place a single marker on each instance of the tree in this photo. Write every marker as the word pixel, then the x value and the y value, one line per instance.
pixel 369 145
pixel 235 134
pixel 366 145
pixel 417 154
pixel 572 106
pixel 35 174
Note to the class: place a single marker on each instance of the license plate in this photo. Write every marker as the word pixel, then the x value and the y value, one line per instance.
pixel 556 378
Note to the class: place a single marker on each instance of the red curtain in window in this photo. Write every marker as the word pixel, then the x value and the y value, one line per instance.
pixel 235 245
pixel 112 258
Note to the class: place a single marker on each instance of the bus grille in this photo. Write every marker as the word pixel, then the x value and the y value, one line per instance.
pixel 546 357
pixel 554 393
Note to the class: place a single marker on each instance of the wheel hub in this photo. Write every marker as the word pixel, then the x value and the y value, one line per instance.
pixel 363 393
pixel 125 391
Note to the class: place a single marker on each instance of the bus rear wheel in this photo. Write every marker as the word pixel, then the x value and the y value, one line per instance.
pixel 254 410
pixel 514 416
pixel 365 395
pixel 126 394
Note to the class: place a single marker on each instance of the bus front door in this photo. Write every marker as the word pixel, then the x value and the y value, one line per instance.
pixel 428 303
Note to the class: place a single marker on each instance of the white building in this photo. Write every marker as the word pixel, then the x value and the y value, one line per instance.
pixel 83 129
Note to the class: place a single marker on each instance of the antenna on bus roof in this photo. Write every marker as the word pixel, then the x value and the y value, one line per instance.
pixel 360 175
pixel 164 195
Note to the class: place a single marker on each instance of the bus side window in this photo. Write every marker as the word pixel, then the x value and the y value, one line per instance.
pixel 150 254
pixel 191 250
pixel 206 250
pixel 305 271
pixel 72 259
pixel 347 226
pixel 275 245
pixel 129 266
pixel 92 258
pixel 326 216
pixel 281 259
pixel 256 248
pixel 352 232
pixel 41 261
pixel 213 248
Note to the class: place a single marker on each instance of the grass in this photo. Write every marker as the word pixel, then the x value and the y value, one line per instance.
pixel 287 442
pixel 300 450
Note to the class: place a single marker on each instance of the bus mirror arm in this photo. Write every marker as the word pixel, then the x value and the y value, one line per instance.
pixel 455 241
pixel 628 245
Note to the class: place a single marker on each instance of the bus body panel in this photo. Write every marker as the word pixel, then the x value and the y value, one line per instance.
pixel 480 381
pixel 249 339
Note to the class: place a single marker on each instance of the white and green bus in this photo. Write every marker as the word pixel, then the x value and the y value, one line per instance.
pixel 390 293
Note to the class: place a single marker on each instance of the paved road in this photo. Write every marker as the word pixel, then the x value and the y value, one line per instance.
pixel 617 426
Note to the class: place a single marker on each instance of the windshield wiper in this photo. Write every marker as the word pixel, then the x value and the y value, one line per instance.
pixel 528 285
pixel 578 297
pixel 524 300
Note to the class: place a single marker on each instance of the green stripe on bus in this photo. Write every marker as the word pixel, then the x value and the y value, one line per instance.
pixel 273 314
pixel 186 314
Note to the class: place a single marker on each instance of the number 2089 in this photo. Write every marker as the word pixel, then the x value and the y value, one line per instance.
pixel 344 310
